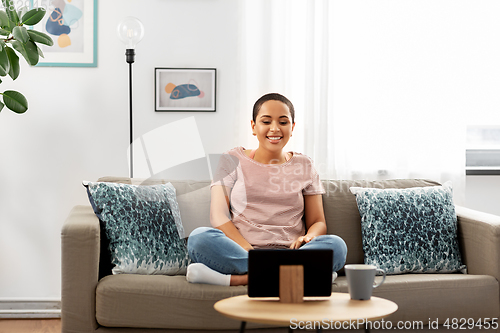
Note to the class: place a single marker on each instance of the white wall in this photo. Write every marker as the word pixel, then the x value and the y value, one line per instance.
pixel 483 193
pixel 76 127
pixel 77 124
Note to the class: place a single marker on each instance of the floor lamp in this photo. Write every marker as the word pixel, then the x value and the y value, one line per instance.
pixel 130 32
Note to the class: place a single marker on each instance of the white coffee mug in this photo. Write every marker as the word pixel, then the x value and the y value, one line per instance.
pixel 360 280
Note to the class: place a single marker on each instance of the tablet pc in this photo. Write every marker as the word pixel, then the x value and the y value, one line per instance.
pixel 264 266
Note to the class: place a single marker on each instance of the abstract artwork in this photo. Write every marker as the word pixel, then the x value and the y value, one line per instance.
pixel 185 89
pixel 72 24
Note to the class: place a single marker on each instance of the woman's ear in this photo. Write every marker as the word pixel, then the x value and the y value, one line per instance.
pixel 293 126
pixel 253 127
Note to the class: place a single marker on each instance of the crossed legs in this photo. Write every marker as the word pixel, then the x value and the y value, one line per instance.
pixel 212 248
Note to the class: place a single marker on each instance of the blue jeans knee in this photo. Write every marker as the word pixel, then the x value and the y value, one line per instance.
pixel 214 249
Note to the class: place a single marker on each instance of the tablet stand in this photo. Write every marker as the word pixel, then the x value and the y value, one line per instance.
pixel 291 283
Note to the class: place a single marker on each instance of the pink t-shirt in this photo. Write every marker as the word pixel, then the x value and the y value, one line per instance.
pixel 267 200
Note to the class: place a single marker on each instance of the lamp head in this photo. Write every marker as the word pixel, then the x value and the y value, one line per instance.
pixel 130 31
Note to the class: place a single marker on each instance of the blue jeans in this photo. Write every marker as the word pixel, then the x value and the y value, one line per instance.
pixel 214 249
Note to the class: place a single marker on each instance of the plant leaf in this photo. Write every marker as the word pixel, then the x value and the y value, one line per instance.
pixel 10 9
pixel 5 22
pixel 15 69
pixel 23 10
pixel 1 106
pixel 40 37
pixel 4 63
pixel 29 51
pixel 33 16
pixel 40 52
pixel 21 34
pixel 15 101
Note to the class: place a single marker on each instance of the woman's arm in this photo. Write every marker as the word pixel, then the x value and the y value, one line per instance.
pixel 220 217
pixel 315 220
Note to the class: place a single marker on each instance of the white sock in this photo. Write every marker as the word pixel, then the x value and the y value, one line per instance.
pixel 199 273
pixel 334 276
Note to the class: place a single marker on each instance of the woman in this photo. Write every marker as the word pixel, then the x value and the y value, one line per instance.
pixel 258 200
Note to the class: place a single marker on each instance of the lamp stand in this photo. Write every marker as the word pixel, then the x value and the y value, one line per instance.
pixel 130 54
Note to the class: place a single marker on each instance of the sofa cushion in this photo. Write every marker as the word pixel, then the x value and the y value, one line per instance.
pixel 409 230
pixel 143 226
pixel 156 301
pixel 341 211
pixel 424 297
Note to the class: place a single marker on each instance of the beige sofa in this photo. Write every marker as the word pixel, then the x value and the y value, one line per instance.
pixel 131 303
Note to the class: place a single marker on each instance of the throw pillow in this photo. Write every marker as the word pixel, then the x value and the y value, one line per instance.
pixel 143 226
pixel 409 230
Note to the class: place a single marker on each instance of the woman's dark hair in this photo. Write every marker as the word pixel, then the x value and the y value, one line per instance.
pixel 273 97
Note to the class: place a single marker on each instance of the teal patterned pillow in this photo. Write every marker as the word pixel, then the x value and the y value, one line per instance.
pixel 143 226
pixel 409 230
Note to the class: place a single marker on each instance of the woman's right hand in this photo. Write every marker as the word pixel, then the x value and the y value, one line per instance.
pixel 301 241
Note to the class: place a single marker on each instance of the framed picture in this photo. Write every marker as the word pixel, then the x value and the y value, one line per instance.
pixel 185 89
pixel 72 24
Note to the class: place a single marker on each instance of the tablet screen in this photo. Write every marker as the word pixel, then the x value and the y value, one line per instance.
pixel 264 266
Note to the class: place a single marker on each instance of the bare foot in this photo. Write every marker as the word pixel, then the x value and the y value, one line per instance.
pixel 239 280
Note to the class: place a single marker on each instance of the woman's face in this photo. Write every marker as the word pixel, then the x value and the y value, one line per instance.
pixel 273 126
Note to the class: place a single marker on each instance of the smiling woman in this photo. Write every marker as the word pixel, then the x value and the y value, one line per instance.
pixel 258 200
pixel 273 123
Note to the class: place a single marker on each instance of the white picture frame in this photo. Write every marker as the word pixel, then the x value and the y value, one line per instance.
pixel 185 89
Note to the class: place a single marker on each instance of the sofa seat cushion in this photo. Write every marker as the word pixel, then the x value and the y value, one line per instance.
pixel 160 301
pixel 157 301
pixel 421 297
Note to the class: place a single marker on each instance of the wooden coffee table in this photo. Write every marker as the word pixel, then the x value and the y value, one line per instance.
pixel 338 308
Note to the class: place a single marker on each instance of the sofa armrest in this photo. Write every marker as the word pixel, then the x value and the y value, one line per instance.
pixel 479 238
pixel 80 246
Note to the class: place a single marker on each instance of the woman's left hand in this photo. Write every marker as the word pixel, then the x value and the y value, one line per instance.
pixel 301 240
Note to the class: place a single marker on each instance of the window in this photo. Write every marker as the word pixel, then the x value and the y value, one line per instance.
pixel 483 150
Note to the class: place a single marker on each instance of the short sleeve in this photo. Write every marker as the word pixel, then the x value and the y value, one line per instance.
pixel 226 172
pixel 315 187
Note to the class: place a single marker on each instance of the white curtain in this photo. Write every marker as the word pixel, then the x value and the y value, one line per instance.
pixel 379 87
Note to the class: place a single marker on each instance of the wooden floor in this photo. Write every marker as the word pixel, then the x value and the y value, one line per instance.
pixel 30 325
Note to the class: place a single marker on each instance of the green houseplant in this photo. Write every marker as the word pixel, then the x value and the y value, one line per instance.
pixel 15 38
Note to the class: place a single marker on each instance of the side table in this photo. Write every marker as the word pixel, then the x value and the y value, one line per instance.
pixel 338 308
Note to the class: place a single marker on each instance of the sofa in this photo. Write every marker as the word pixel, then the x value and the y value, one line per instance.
pixel 95 301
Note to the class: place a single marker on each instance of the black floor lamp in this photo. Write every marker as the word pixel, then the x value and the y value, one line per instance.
pixel 130 32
